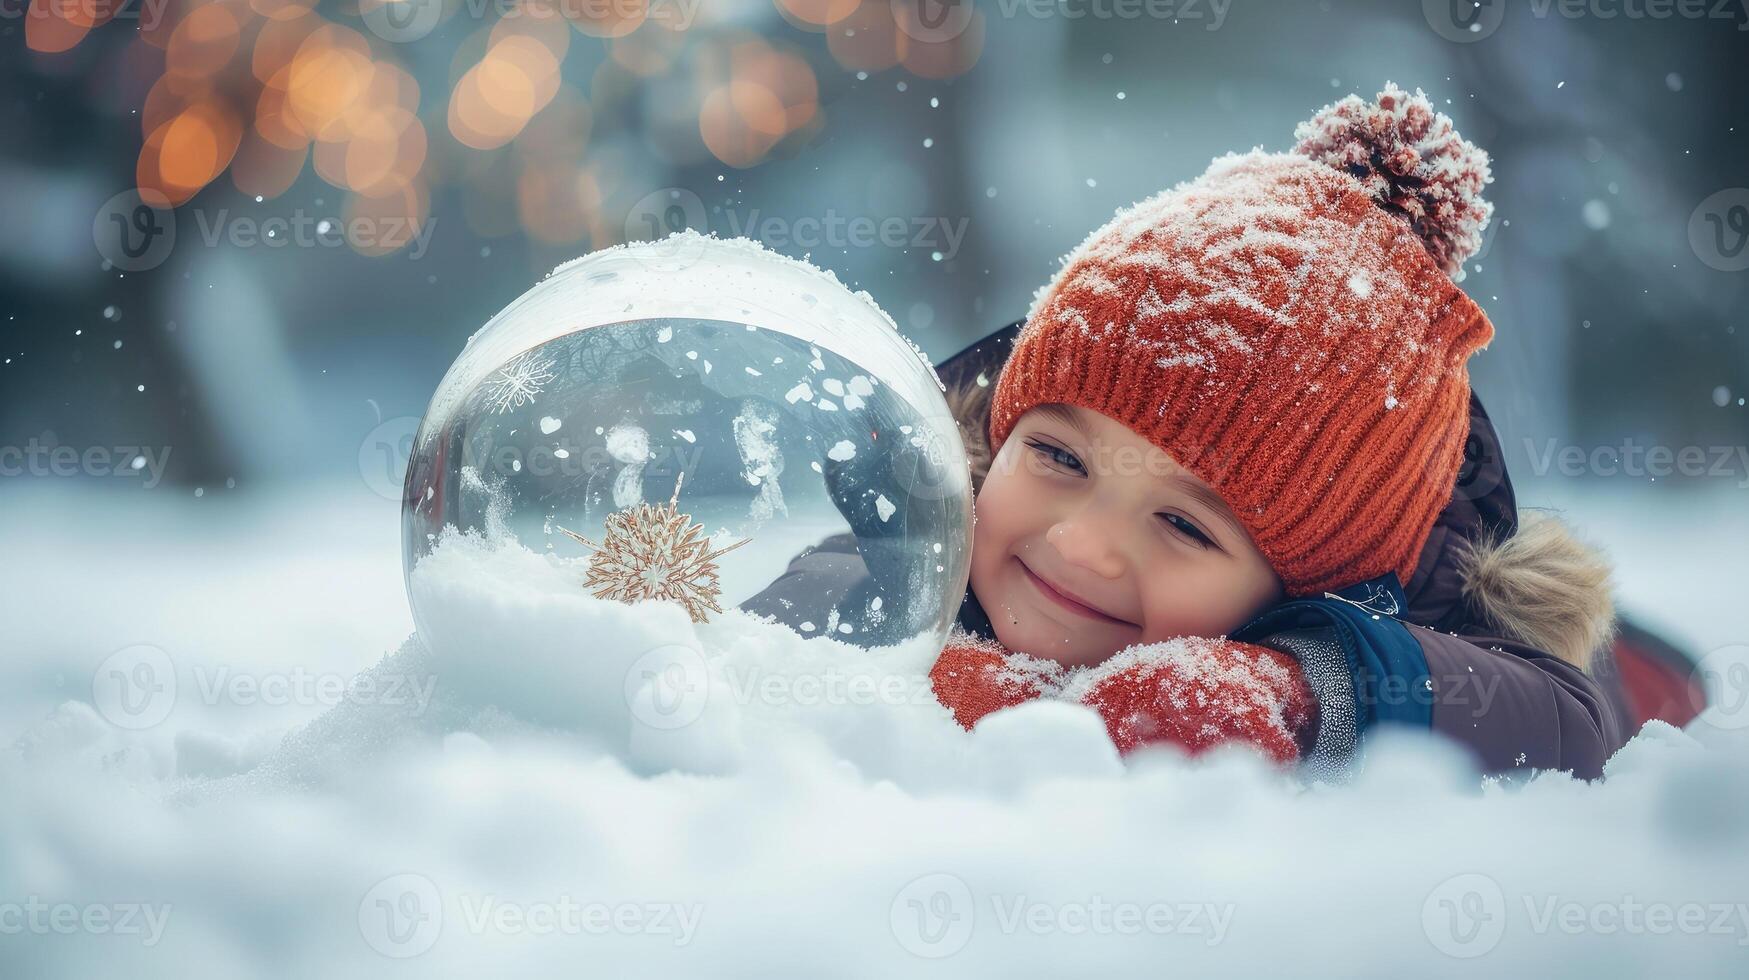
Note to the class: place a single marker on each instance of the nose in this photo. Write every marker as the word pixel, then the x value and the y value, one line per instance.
pixel 1084 540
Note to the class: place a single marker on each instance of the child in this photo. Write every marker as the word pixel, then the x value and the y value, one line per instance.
pixel 1225 440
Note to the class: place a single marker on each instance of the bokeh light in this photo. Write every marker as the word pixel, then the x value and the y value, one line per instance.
pixel 272 89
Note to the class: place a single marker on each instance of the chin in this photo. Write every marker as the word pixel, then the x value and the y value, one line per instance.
pixel 1003 591
pixel 1043 638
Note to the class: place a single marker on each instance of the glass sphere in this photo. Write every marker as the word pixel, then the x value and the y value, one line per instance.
pixel 678 421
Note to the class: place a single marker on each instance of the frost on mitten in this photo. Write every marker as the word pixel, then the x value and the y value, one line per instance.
pixel 975 676
pixel 1197 693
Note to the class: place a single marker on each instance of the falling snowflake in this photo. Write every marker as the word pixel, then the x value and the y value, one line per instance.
pixel 517 383
pixel 651 553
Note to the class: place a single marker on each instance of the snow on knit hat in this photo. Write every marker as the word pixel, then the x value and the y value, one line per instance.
pixel 1287 327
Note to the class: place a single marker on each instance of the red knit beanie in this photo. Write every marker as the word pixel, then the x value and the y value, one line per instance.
pixel 1287 327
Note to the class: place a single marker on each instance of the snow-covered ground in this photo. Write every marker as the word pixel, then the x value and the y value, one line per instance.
pixel 230 760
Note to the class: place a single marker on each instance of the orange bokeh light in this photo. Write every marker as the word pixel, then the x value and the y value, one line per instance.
pixel 496 98
pixel 940 59
pixel 867 40
pixel 386 153
pixel 385 223
pixel 331 70
pixel 186 153
pixel 202 43
pixel 606 18
pixel 555 204
pixel 50 27
pixel 537 20
pixel 281 10
pixel 818 13
pixel 264 168
pixel 278 41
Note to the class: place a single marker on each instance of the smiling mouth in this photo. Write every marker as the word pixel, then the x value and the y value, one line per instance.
pixel 1075 606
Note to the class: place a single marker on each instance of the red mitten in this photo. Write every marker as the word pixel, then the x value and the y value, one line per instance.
pixel 974 676
pixel 1197 693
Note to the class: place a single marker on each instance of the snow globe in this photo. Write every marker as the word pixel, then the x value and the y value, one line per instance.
pixel 676 421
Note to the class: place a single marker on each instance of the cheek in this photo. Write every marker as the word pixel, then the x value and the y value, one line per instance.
pixel 1196 598
pixel 1004 509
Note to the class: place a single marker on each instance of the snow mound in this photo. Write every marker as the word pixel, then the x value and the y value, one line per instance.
pixel 596 789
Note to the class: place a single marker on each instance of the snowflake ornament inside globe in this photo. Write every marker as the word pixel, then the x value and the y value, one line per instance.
pixel 676 421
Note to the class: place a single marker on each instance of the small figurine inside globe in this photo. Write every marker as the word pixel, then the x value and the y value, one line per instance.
pixel 676 421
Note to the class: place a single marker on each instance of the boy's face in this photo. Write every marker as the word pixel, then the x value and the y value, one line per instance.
pixel 1076 502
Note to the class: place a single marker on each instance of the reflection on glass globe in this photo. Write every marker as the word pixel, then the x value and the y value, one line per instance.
pixel 678 420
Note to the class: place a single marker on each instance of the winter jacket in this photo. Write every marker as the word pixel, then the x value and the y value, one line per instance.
pixel 1499 640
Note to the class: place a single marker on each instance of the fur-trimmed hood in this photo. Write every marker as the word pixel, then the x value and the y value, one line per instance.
pixel 1542 586
pixel 1487 569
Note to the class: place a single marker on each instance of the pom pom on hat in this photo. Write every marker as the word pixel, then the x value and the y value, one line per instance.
pixel 1412 162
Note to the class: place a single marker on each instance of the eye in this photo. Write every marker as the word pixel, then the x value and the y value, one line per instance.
pixel 1186 527
pixel 1057 456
